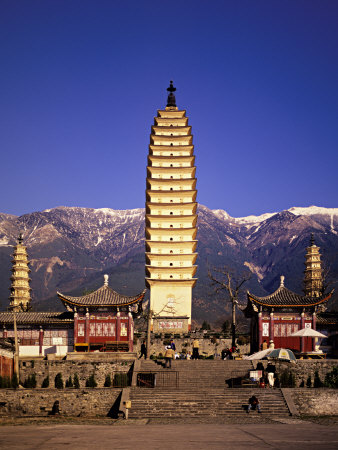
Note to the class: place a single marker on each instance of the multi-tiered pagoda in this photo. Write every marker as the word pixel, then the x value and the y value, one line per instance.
pixel 171 219
pixel 313 281
pixel 20 297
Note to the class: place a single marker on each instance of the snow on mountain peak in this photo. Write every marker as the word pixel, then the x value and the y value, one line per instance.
pixel 312 210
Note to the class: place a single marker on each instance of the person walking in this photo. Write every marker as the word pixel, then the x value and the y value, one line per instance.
pixel 172 345
pixel 168 356
pixel 195 349
pixel 143 350
pixel 271 370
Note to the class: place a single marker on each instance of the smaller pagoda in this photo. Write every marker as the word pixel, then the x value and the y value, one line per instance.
pixel 313 281
pixel 103 319
pixel 20 298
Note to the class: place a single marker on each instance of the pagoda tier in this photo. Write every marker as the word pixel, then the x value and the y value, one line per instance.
pixel 20 297
pixel 313 281
pixel 171 214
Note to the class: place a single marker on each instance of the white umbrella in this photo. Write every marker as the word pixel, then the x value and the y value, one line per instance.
pixel 308 332
pixel 259 355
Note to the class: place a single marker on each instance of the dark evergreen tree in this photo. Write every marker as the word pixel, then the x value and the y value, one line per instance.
pixel 309 382
pixel 90 382
pixel 76 381
pixel 107 381
pixel 45 382
pixel 15 381
pixel 58 381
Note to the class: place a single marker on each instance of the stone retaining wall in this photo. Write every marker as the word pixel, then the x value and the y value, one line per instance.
pixel 73 402
pixel 304 367
pixel 84 369
pixel 315 402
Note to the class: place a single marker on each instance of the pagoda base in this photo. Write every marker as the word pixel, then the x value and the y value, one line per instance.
pixel 170 324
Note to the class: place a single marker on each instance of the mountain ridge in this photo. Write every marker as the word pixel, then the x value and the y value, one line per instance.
pixel 70 249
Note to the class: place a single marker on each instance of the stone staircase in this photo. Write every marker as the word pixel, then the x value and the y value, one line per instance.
pixel 201 392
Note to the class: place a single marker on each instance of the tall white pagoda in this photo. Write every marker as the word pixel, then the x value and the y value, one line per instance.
pixel 313 279
pixel 20 298
pixel 171 219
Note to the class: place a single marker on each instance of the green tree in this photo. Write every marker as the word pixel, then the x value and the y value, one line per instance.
pixel 58 381
pixel 309 381
pixel 69 382
pixel 317 382
pixel 107 381
pixel 15 381
pixel 91 382
pixel 45 382
pixel 331 378
pixel 205 325
pixel 76 381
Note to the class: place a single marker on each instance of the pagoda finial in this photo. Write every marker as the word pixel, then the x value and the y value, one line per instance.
pixel 312 240
pixel 20 239
pixel 171 97
pixel 282 278
pixel 105 278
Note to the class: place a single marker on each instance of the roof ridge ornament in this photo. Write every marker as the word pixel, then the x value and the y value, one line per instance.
pixel 171 102
pixel 312 240
pixel 282 278
pixel 105 278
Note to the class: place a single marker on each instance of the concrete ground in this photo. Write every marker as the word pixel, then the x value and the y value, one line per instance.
pixel 293 434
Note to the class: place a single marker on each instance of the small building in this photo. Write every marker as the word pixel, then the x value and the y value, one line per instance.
pixel 103 319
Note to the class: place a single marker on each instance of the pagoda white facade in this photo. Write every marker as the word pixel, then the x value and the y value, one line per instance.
pixel 20 298
pixel 313 279
pixel 171 219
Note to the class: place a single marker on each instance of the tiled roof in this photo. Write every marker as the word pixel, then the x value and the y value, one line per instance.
pixel 327 318
pixel 36 317
pixel 283 297
pixel 104 296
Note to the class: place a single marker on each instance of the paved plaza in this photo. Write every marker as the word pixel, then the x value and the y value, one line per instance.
pixel 293 435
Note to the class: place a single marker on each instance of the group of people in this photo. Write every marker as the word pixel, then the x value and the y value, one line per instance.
pixel 268 374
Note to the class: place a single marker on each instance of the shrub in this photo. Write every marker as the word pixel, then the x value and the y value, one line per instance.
pixel 331 378
pixel 69 382
pixel 291 380
pixel 309 382
pixel 120 380
pixel 76 381
pixel 58 381
pixel 5 382
pixel 90 382
pixel 14 381
pixel 107 381
pixel 302 383
pixel 30 382
pixel 317 382
pixel 284 379
pixel 45 383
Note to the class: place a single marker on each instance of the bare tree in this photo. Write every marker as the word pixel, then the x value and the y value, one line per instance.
pixel 225 280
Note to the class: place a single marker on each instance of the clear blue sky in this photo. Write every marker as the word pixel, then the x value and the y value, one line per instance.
pixel 80 83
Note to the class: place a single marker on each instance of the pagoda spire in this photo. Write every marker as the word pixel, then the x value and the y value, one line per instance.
pixel 171 102
pixel 20 298
pixel 313 280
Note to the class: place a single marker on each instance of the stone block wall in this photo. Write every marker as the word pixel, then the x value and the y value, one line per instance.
pixel 84 369
pixel 304 367
pixel 207 346
pixel 73 402
pixel 315 402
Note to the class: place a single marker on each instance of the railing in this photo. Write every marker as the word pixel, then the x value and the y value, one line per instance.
pixel 147 379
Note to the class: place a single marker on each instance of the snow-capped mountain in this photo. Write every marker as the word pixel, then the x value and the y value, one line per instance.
pixel 71 248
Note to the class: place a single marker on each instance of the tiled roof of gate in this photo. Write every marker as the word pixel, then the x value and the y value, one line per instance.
pixel 104 296
pixel 36 317
pixel 283 297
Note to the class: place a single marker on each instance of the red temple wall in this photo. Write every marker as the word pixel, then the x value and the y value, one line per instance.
pixel 6 366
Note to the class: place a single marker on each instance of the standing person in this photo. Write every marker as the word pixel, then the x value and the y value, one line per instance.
pixel 172 345
pixel 271 370
pixel 253 404
pixel 195 349
pixel 264 345
pixel 143 350
pixel 168 356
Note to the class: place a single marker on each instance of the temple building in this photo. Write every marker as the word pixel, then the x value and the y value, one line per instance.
pixel 171 219
pixel 102 320
pixel 20 298
pixel 278 315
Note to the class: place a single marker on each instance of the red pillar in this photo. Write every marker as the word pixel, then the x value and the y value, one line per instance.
pixel 272 336
pixel 5 333
pixel 260 331
pixel 87 328
pixel 118 325
pixel 40 341
pixel 302 325
pixel 314 340
pixel 130 331
pixel 76 323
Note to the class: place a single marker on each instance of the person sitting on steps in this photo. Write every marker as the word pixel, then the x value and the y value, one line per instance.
pixel 253 404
